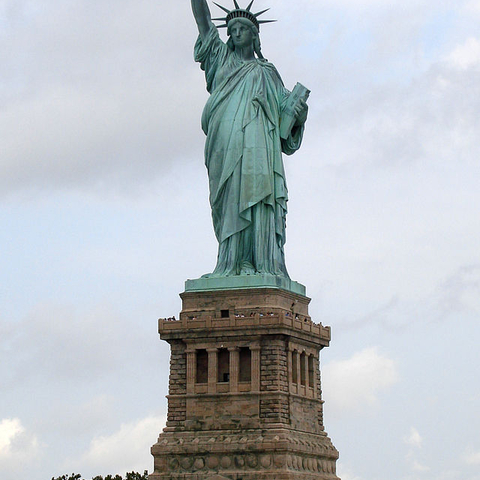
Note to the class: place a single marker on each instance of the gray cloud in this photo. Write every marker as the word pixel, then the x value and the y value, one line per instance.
pixel 99 95
pixel 94 94
pixel 67 346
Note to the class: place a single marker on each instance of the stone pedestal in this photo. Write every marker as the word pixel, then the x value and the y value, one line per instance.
pixel 244 397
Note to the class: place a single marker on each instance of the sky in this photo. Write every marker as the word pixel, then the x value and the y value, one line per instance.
pixel 104 214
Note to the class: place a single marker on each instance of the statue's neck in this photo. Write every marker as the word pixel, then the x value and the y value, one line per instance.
pixel 245 53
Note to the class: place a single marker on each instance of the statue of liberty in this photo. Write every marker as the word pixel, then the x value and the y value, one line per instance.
pixel 249 119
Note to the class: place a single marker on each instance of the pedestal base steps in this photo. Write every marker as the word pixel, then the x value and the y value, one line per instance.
pixel 245 392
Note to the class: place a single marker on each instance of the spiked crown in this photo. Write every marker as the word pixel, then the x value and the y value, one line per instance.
pixel 238 12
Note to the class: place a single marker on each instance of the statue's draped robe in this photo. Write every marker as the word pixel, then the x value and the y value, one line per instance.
pixel 243 155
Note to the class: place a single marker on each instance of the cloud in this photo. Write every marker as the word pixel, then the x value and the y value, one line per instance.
pixel 125 450
pixel 345 473
pixel 352 383
pixel 414 438
pixel 466 55
pixel 95 97
pixel 90 94
pixel 472 8
pixel 9 429
pixel 459 292
pixel 472 457
pixel 17 446
pixel 360 4
pixel 81 418
pixel 454 295
pixel 418 467
pixel 76 346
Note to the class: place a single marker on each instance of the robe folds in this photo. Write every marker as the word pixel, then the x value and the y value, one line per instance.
pixel 243 156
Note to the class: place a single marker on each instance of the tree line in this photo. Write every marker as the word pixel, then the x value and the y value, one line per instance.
pixel 128 476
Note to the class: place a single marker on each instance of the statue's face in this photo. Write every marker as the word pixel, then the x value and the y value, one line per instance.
pixel 242 35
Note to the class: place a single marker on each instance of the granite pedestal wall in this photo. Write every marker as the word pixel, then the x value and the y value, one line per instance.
pixel 245 398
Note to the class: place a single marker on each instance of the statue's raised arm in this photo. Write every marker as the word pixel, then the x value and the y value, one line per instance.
pixel 201 12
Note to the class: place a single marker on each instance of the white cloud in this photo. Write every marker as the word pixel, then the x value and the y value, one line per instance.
pixel 17 446
pixel 472 457
pixel 345 473
pixel 125 450
pixel 472 7
pixel 359 4
pixel 418 467
pixel 350 384
pixel 414 438
pixel 466 55
pixel 9 429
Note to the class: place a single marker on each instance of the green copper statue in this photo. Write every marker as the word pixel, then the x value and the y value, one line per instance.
pixel 249 120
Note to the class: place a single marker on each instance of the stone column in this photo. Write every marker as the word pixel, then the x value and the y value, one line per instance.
pixel 212 369
pixel 307 373
pixel 316 366
pixel 290 367
pixel 255 367
pixel 299 371
pixel 234 368
pixel 191 369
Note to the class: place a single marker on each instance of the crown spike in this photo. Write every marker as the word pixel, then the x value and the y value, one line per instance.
pixel 226 10
pixel 238 12
pixel 261 13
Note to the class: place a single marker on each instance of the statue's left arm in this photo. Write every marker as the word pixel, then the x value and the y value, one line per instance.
pixel 301 112
pixel 291 144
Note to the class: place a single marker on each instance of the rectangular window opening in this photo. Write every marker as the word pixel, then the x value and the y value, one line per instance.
pixel 311 370
pixel 245 374
pixel 303 368
pixel 223 365
pixel 202 367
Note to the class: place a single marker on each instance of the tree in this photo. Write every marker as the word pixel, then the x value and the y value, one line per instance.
pixel 73 476
pixel 128 476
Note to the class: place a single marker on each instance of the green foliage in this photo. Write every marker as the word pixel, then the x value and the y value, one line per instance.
pixel 108 477
pixel 73 476
pixel 128 476
pixel 137 476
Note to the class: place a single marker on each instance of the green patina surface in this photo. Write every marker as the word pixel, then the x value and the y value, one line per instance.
pixel 243 154
pixel 244 281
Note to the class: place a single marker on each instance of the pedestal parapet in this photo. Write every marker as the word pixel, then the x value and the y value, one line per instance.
pixel 245 399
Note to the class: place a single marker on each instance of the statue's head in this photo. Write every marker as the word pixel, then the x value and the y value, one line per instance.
pixel 242 33
pixel 239 18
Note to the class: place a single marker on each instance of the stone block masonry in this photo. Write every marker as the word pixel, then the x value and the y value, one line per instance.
pixel 244 397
